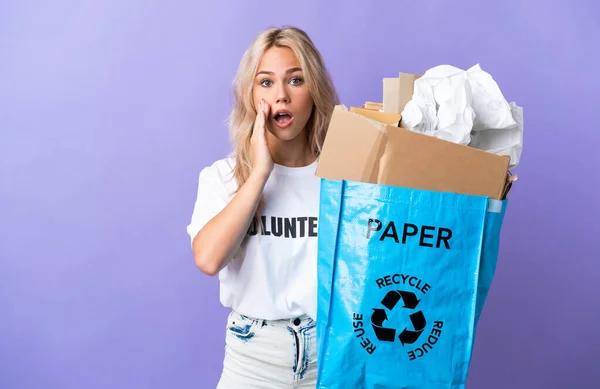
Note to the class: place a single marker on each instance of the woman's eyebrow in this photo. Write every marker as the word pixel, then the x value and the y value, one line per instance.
pixel 290 70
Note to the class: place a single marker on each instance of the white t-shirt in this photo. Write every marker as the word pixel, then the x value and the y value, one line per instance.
pixel 274 273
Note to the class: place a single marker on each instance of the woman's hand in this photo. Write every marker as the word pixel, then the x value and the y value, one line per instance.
pixel 261 156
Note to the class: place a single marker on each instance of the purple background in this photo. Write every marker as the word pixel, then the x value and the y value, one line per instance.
pixel 109 109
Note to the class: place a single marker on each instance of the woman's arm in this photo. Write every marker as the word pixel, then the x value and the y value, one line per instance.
pixel 220 238
pixel 217 241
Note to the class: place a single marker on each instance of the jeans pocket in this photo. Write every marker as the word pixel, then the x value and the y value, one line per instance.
pixel 241 326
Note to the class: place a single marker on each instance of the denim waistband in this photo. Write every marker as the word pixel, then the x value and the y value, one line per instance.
pixel 298 321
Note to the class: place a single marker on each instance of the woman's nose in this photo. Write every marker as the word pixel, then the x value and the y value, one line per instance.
pixel 282 95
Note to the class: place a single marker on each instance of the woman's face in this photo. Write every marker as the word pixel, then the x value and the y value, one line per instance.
pixel 280 82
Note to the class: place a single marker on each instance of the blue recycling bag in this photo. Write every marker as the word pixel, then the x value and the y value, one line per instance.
pixel 403 276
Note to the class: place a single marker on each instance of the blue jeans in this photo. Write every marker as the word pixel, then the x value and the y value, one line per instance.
pixel 269 354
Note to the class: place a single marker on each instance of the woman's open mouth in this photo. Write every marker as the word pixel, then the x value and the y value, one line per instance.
pixel 283 119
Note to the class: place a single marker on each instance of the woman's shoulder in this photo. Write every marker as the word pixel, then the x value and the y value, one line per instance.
pixel 220 170
pixel 223 165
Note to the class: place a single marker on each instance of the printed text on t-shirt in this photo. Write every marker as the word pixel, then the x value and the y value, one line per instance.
pixel 285 227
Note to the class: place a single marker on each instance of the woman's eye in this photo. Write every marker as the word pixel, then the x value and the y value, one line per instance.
pixel 266 83
pixel 296 81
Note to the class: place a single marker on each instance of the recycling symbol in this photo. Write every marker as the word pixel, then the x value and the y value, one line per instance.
pixel 407 336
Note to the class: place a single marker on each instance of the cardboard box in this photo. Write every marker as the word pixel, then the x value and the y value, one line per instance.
pixel 398 91
pixel 373 106
pixel 363 148
pixel 393 119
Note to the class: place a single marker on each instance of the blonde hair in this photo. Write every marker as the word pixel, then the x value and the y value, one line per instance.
pixel 317 79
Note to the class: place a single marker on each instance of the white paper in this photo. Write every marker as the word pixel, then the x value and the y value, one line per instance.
pixel 441 105
pixel 455 112
pixel 491 109
pixel 458 106
pixel 505 141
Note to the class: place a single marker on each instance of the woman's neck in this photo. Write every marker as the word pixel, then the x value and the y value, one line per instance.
pixel 293 153
pixel 293 158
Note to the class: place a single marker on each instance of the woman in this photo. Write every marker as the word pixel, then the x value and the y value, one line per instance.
pixel 255 218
